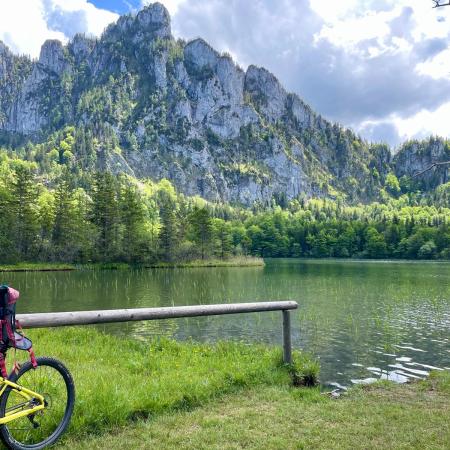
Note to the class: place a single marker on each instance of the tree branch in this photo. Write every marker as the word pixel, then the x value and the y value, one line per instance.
pixel 438 3
pixel 430 167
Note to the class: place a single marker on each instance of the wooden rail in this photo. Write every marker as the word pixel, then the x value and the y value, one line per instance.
pixel 60 319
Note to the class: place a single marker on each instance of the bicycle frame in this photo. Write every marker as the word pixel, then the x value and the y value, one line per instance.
pixel 19 410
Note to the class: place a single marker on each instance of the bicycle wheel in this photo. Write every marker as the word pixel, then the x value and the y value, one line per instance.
pixel 53 381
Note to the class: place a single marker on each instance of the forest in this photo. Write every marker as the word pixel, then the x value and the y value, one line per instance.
pixel 62 216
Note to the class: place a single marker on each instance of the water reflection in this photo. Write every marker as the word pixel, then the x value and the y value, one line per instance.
pixel 362 319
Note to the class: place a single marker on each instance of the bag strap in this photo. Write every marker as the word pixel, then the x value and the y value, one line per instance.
pixel 3 294
pixel 30 350
pixel 3 370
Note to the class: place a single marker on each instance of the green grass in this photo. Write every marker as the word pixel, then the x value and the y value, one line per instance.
pixel 105 266
pixel 382 416
pixel 120 381
pixel 238 261
pixel 35 267
pixel 170 395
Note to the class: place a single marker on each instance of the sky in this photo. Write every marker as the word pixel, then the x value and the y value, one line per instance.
pixel 381 67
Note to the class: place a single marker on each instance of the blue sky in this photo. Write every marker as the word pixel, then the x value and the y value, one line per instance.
pixel 381 67
pixel 117 6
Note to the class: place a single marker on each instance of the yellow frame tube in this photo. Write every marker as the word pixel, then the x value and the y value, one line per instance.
pixel 26 394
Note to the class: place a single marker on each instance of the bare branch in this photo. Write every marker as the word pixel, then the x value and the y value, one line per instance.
pixel 430 167
pixel 439 3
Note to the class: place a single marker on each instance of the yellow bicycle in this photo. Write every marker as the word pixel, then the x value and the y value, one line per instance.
pixel 37 398
pixel 36 404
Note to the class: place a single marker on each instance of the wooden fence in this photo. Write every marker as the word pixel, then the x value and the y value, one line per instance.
pixel 59 319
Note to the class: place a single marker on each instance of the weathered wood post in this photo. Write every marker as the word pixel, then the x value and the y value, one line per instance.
pixel 287 345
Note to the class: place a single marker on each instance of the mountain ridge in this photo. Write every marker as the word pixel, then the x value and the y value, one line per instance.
pixel 146 104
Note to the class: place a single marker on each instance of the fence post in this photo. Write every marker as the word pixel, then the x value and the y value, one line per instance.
pixel 287 346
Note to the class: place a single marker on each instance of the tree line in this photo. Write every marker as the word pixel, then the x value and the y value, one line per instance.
pixel 118 218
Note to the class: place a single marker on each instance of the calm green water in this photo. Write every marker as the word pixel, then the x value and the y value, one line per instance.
pixel 362 319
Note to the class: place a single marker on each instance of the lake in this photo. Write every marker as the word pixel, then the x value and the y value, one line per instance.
pixel 363 319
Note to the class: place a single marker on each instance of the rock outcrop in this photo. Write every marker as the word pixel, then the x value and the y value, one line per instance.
pixel 416 157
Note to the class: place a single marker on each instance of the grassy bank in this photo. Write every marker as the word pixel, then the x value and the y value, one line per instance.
pixel 238 261
pixel 36 267
pixel 381 416
pixel 121 381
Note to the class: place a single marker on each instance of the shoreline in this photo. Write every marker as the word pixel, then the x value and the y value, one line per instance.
pixel 232 262
pixel 62 267
pixel 240 261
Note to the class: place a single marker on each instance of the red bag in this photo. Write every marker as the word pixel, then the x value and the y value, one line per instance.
pixel 11 331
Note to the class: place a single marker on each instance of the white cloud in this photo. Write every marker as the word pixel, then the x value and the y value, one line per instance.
pixel 406 28
pixel 351 21
pixel 23 28
pixel 26 24
pixel 394 129
pixel 97 19
pixel 425 123
pixel 333 11
pixel 350 31
pixel 437 67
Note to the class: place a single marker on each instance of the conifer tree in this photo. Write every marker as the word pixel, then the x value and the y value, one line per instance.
pixel 168 236
pixel 223 238
pixel 23 208
pixel 132 221
pixel 105 215
pixel 6 222
pixel 64 230
pixel 201 230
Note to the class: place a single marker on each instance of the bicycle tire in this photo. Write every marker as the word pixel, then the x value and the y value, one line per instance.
pixel 10 434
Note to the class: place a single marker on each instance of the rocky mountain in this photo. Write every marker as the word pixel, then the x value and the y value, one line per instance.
pixel 144 103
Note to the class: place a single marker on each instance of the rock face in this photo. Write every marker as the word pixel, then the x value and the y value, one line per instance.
pixel 156 107
pixel 416 157
pixel 14 70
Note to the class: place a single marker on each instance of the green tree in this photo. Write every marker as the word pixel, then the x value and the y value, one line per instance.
pixel 23 204
pixel 346 243
pixel 64 244
pixel 105 216
pixel 375 244
pixel 392 184
pixel 168 236
pixel 427 250
pixel 393 236
pixel 223 238
pixel 319 245
pixel 201 230
pixel 256 237
pixel 132 218
pixel 46 215
pixel 6 225
pixel 84 231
